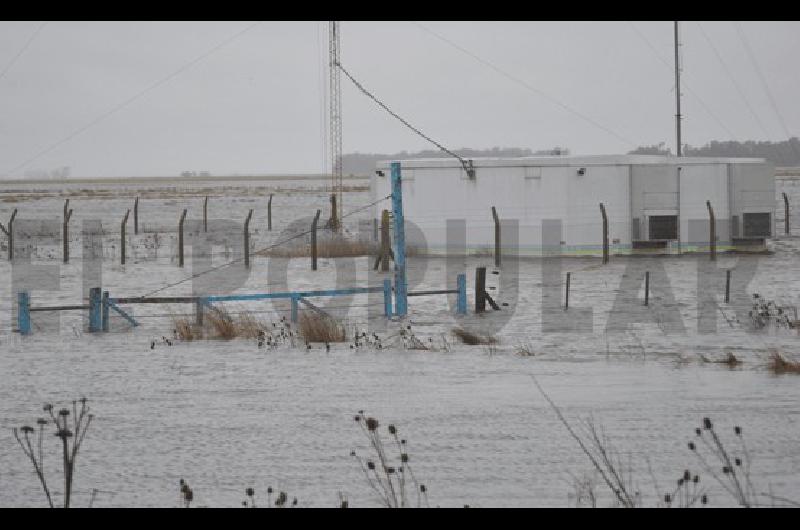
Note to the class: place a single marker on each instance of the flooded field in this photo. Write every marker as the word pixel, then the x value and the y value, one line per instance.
pixel 226 415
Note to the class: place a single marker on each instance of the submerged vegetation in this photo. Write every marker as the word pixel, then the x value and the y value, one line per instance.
pixel 70 433
pixel 392 480
pixel 778 364
pixel 473 338
pixel 730 468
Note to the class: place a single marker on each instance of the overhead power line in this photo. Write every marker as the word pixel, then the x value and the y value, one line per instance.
pixel 131 99
pixel 757 68
pixel 685 84
pixel 467 165
pixel 22 50
pixel 526 85
pixel 733 80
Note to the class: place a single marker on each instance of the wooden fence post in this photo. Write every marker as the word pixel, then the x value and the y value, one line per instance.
pixel 65 231
pixel 105 315
pixel 496 237
pixel 647 288
pixel 122 238
pixel 24 313
pixel 180 238
pixel 198 312
pixel 712 229
pixel 385 251
pixel 566 293
pixel 314 241
pixel 269 213
pixel 605 232
pixel 786 210
pixel 136 217
pixel 480 289
pixel 461 300
pixel 727 286
pixel 95 310
pixel 247 240
pixel 9 232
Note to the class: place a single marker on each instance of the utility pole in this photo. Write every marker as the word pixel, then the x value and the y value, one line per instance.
pixel 677 90
pixel 335 103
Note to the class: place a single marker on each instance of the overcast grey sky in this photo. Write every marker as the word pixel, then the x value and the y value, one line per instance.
pixel 255 104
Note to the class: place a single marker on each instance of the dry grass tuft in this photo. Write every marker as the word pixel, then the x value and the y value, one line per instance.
pixel 315 327
pixel 472 338
pixel 185 328
pixel 778 364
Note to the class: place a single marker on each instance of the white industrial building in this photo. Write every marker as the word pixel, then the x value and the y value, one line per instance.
pixel 652 202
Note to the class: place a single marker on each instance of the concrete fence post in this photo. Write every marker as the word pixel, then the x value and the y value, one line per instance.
pixel 786 211
pixel 9 232
pixel 247 239
pixel 65 231
pixel 712 232
pixel 205 215
pixel 122 238
pixel 180 238
pixel 605 232
pixel 497 252
pixel 269 213
pixel 136 217
pixel 314 241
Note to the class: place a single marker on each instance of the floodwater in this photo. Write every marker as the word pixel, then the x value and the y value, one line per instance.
pixel 226 415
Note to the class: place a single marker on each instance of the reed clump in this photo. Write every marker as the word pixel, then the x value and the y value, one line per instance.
pixel 221 321
pixel 250 327
pixel 473 338
pixel 315 327
pixel 778 364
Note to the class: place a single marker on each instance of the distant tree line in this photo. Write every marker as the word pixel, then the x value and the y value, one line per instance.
pixel 364 163
pixel 785 153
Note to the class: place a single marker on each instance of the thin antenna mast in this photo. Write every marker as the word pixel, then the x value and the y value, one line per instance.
pixel 335 103
pixel 677 90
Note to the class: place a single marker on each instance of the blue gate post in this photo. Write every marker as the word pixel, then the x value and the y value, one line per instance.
pixel 24 313
pixel 387 297
pixel 294 308
pixel 461 304
pixel 105 310
pixel 95 309
pixel 400 285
